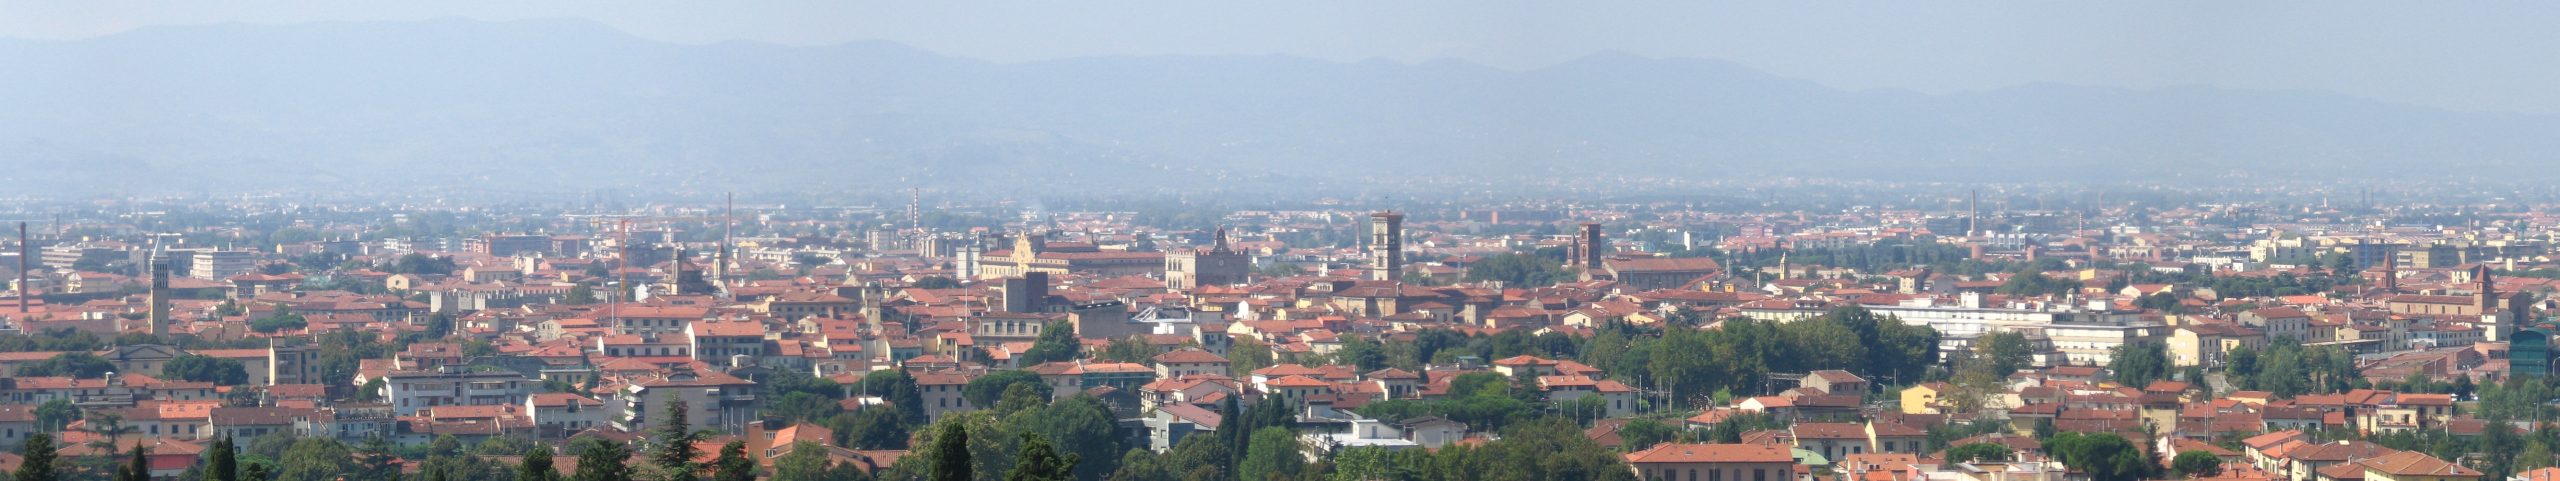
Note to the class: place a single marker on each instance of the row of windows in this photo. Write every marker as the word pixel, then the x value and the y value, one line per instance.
pixel 1757 474
pixel 645 351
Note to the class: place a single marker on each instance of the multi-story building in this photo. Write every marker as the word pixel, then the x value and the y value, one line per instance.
pixel 557 414
pixel 717 341
pixel 508 245
pixel 214 265
pixel 455 385
pixel 293 365
pixel 941 392
pixel 712 400
pixel 2086 335
pixel 1714 462
pixel 1217 265
pixel 66 255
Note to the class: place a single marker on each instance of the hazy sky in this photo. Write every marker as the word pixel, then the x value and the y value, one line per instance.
pixel 2480 56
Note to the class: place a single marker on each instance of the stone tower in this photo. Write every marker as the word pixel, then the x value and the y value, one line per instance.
pixel 1588 246
pixel 1386 246
pixel 159 295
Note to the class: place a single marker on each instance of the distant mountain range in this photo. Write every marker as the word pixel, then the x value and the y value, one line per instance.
pixel 537 105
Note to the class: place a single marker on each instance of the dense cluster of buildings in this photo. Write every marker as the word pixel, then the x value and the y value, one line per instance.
pixel 550 334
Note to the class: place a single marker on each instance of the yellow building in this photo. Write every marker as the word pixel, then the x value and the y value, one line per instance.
pixel 1923 399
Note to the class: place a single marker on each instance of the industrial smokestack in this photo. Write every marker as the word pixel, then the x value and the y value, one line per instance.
pixel 1973 213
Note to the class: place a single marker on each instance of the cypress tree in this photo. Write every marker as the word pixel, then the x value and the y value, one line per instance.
pixel 1040 462
pixel 39 460
pixel 604 460
pixel 733 464
pixel 222 462
pixel 139 469
pixel 536 466
pixel 951 454
pixel 675 443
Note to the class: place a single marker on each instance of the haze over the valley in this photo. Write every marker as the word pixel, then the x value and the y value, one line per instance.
pixel 142 99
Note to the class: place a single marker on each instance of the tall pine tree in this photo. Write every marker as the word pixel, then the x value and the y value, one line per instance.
pixel 734 465
pixel 138 469
pixel 675 438
pixel 222 462
pixel 950 453
pixel 1039 462
pixel 536 466
pixel 604 460
pixel 38 464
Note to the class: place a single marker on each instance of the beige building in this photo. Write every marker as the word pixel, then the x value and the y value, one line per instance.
pixel 1032 253
pixel 1713 462
pixel 2206 344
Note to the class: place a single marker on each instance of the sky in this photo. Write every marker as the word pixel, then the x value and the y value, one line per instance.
pixel 2466 56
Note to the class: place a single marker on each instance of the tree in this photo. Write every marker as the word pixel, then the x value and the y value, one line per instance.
pixel 808 260
pixel 108 423
pixel 1519 270
pixel 1020 397
pixel 282 319
pixel 2105 456
pixel 2197 464
pixel 1057 342
pixel 1641 433
pixel 198 368
pixel 1081 425
pixel 579 295
pixel 604 460
pixel 415 263
pixel 1273 453
pixel 951 454
pixel 986 390
pixel 318 459
pixel 675 438
pixel 2139 363
pixel 1127 349
pixel 138 468
pixel 1039 462
pixel 1980 452
pixel 222 461
pixel 802 406
pixel 899 389
pixel 1247 355
pixel 733 464
pixel 79 365
pixel 1363 353
pixel 2536 455
pixel 2005 352
pixel 807 461
pixel 536 466
pixel 375 460
pixel 877 428
pixel 38 457
pixel 56 414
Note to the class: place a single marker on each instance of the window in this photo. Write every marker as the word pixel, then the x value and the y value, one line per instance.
pixel 1759 474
